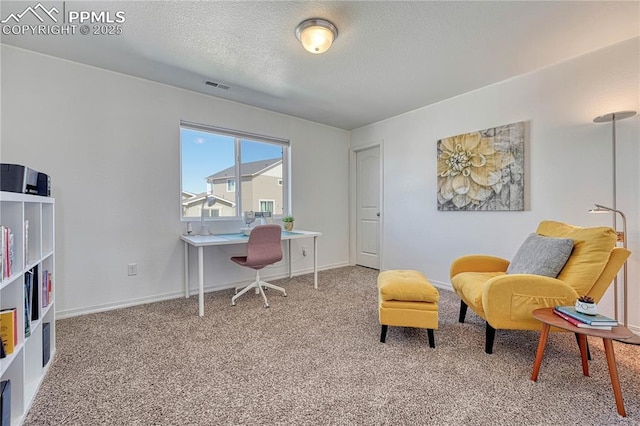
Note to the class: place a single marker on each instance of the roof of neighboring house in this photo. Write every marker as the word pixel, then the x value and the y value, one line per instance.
pixel 189 199
pixel 252 168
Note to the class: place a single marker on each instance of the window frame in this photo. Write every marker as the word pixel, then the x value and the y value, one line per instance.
pixel 239 136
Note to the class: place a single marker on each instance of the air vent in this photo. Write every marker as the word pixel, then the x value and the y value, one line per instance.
pixel 216 85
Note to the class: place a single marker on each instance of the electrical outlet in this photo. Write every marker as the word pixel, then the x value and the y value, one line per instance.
pixel 304 250
pixel 132 269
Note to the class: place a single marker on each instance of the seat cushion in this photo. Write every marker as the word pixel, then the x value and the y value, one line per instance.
pixel 468 285
pixel 406 305
pixel 591 250
pixel 540 255
pixel 406 285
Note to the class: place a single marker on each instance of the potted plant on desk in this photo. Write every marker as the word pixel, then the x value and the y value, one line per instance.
pixel 287 222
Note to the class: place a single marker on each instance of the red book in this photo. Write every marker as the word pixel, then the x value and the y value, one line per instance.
pixel 580 324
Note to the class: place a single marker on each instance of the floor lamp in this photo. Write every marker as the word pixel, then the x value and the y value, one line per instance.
pixel 622 237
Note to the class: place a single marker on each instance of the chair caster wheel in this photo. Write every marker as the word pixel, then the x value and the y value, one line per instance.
pixel 285 295
pixel 266 306
pixel 233 304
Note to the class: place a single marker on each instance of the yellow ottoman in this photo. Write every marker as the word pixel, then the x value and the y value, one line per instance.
pixel 407 299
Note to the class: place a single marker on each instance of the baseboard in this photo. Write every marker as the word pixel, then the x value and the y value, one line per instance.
pixel 177 294
pixel 68 313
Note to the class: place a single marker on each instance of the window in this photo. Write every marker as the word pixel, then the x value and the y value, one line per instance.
pixel 266 205
pixel 215 160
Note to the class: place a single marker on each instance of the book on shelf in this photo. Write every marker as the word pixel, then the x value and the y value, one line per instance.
pixel 33 300
pixel 46 343
pixel 5 403
pixel 7 251
pixel 8 329
pixel 597 319
pixel 14 311
pixel 45 288
pixel 49 287
pixel 579 323
pixel 1 252
pixel 27 304
pixel 11 252
pixel 26 242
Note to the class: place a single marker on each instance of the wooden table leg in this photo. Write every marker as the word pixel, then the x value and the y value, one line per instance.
pixel 582 342
pixel 613 373
pixel 541 346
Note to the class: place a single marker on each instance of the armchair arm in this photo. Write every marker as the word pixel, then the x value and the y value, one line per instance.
pixel 478 263
pixel 508 300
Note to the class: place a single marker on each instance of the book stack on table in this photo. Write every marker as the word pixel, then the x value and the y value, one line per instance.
pixel 580 320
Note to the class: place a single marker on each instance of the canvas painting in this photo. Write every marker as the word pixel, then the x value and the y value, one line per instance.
pixel 482 171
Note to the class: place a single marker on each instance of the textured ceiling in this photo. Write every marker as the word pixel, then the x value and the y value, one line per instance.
pixel 390 57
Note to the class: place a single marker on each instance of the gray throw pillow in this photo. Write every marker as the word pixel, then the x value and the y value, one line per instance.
pixel 541 256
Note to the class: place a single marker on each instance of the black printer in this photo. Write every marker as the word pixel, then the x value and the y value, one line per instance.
pixel 22 179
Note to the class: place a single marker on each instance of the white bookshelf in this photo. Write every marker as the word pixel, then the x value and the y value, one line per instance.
pixel 34 249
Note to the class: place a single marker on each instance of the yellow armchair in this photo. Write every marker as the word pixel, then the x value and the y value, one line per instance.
pixel 505 301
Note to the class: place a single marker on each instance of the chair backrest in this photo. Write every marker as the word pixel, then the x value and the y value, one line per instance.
pixel 618 256
pixel 264 246
pixel 592 251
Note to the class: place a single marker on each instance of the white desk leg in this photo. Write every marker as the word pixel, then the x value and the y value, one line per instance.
pixel 315 262
pixel 186 270
pixel 289 261
pixel 201 280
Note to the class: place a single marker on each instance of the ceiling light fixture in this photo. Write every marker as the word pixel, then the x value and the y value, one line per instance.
pixel 316 35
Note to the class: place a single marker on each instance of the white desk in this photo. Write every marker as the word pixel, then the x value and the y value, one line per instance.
pixel 200 242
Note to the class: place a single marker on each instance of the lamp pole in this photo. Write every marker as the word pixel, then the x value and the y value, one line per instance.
pixel 612 118
pixel 621 237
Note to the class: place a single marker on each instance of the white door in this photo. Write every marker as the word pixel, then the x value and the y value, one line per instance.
pixel 368 207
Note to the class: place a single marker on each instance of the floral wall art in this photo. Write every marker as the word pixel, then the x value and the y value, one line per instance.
pixel 482 171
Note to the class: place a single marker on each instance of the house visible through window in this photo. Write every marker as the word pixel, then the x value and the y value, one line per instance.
pixel 213 160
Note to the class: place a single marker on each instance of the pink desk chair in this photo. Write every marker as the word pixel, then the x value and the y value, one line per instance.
pixel 263 249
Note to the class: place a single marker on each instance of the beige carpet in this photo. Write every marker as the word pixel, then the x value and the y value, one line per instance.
pixel 314 358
